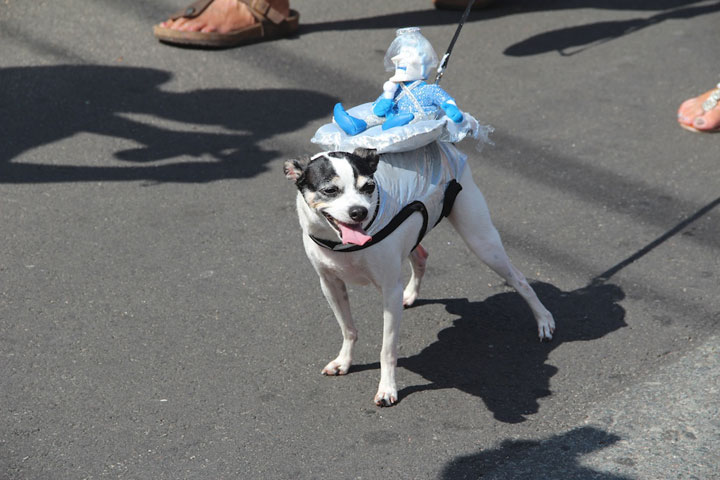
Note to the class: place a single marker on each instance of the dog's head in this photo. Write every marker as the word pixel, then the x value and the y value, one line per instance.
pixel 340 188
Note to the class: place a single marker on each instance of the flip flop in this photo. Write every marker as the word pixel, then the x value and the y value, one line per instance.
pixel 270 25
pixel 461 4
pixel 711 102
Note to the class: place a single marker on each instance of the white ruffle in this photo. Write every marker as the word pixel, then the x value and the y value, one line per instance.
pixel 399 139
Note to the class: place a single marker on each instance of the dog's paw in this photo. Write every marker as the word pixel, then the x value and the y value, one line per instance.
pixel 386 397
pixel 409 296
pixel 546 328
pixel 336 367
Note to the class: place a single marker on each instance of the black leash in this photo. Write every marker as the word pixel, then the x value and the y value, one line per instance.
pixel 444 61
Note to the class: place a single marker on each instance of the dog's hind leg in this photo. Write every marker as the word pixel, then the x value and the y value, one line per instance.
pixel 418 260
pixel 471 219
pixel 337 296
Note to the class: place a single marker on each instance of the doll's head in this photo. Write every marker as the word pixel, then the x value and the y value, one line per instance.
pixel 410 56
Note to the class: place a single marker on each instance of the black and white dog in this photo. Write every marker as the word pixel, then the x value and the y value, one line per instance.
pixel 358 229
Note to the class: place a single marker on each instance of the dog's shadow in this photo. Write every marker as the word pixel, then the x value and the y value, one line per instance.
pixel 492 350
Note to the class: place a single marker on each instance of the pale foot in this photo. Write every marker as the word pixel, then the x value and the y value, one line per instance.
pixel 546 327
pixel 410 295
pixel 386 397
pixel 337 367
pixel 701 113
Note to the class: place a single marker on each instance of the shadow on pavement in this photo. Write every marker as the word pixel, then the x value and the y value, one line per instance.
pixel 219 128
pixel 433 17
pixel 555 458
pixel 492 351
pixel 573 40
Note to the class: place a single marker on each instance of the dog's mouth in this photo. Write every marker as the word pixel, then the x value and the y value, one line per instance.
pixel 349 232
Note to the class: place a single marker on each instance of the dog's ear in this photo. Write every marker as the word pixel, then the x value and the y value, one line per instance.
pixel 295 168
pixel 369 155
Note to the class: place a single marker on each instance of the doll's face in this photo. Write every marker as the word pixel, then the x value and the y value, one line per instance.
pixel 409 66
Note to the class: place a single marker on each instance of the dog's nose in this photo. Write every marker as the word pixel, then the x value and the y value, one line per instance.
pixel 358 213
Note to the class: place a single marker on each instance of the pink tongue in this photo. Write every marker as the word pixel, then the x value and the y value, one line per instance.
pixel 353 234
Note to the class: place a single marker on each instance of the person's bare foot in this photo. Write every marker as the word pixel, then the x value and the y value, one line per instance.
pixel 223 16
pixel 702 113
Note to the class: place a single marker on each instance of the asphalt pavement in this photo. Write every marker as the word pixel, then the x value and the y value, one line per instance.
pixel 159 319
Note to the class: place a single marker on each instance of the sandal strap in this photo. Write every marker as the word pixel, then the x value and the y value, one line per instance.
pixel 263 11
pixel 260 9
pixel 192 10
pixel 712 101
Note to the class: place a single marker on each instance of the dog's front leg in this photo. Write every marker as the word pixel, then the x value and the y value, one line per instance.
pixel 392 314
pixel 337 296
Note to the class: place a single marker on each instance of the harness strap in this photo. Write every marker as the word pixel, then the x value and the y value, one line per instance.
pixel 397 220
pixel 408 91
pixel 410 87
pixel 451 192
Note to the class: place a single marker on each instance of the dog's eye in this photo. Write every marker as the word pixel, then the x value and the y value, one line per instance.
pixel 330 191
pixel 368 188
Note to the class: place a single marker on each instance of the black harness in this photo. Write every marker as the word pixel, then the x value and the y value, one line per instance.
pixel 451 192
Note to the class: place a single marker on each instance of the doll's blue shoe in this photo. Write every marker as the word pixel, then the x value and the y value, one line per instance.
pixel 348 123
pixel 398 120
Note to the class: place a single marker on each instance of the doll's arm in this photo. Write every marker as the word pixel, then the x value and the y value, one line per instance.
pixel 385 102
pixel 447 103
pixel 452 111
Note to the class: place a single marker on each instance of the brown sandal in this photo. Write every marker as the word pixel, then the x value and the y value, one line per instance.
pixel 270 24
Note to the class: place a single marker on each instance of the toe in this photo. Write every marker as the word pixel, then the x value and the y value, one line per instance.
pixel 385 399
pixel 193 25
pixel 178 24
pixel 546 332
pixel 709 121
pixel 335 368
pixel 171 24
pixel 689 110
pixel 409 300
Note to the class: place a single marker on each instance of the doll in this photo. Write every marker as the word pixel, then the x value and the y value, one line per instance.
pixel 406 96
pixel 409 114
